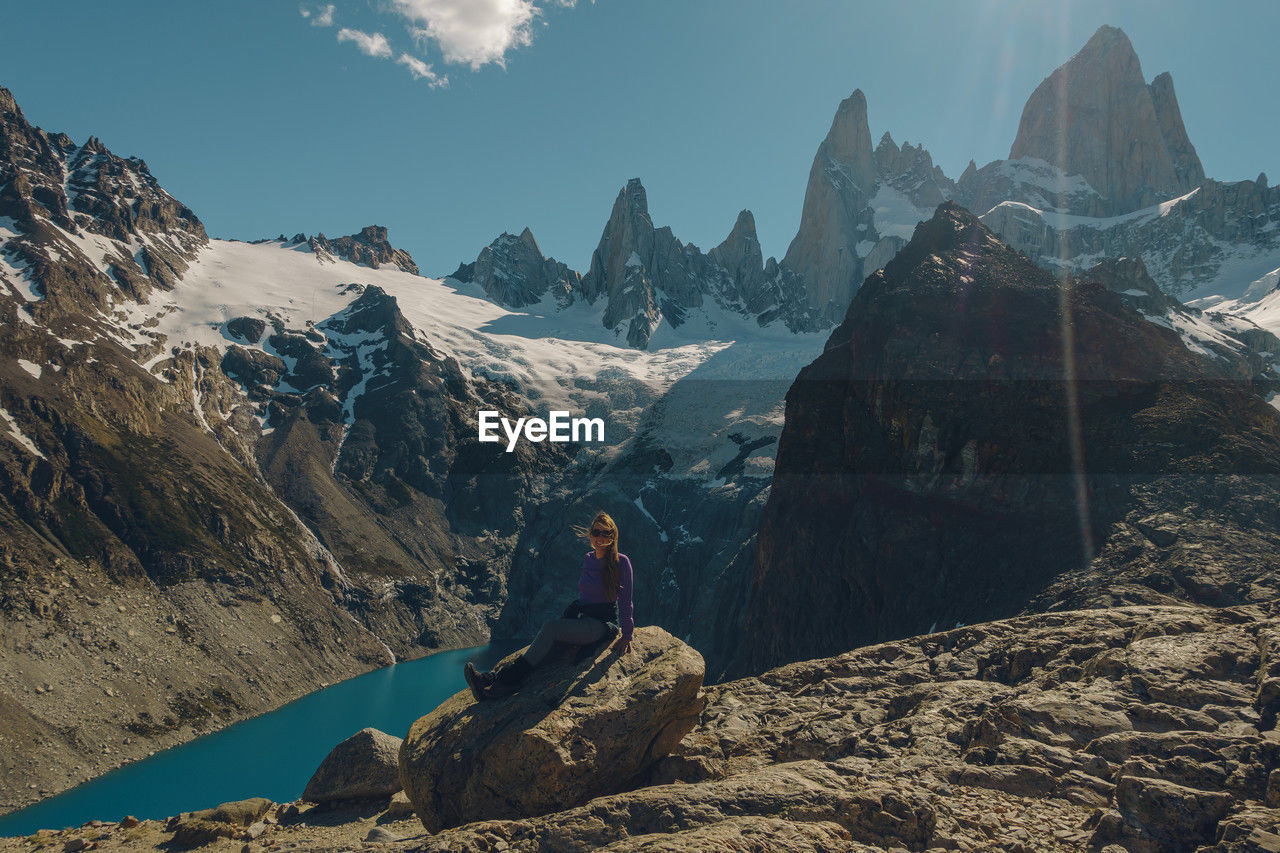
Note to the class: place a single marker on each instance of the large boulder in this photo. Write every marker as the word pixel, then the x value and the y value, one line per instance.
pixel 364 766
pixel 576 731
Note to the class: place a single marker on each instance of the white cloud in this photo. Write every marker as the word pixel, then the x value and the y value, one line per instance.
pixel 471 32
pixel 422 71
pixel 374 44
pixel 323 15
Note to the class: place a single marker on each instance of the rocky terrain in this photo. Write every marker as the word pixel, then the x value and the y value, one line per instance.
pixel 1148 728
pixel 204 519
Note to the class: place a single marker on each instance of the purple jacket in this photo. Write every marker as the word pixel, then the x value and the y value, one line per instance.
pixel 591 589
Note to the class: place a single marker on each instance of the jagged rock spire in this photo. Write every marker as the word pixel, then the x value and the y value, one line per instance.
pixel 1095 116
pixel 1186 163
pixel 836 216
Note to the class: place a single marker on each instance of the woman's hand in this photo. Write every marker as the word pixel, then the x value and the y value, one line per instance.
pixel 623 643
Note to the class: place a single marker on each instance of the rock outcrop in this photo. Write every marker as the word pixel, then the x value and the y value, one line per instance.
pixel 575 731
pixel 369 248
pixel 229 820
pixel 364 766
pixel 979 439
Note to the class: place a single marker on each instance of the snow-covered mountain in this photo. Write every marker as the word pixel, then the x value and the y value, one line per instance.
pixel 267 454
pixel 256 466
pixel 1102 167
pixel 647 283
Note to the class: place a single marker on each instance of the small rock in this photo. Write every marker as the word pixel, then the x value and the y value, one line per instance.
pixel 381 836
pixel 129 822
pixel 197 832
pixel 400 807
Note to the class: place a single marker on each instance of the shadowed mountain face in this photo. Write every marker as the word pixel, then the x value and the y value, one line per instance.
pixel 979 439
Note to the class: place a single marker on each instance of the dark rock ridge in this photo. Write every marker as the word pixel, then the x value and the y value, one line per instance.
pixel 979 439
pixel 369 248
pixel 55 191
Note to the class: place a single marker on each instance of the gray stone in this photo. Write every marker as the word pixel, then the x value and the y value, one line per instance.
pixel 381 835
pixel 364 766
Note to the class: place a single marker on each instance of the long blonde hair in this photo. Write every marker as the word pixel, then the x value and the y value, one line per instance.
pixel 609 573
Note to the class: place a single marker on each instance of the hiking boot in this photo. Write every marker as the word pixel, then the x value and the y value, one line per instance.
pixel 506 680
pixel 478 681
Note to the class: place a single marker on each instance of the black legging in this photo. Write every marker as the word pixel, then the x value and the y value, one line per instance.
pixel 579 632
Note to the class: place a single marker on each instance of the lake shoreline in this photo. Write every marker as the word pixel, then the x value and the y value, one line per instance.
pixel 385 698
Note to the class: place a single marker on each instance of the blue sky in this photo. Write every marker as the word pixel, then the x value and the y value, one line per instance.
pixel 450 121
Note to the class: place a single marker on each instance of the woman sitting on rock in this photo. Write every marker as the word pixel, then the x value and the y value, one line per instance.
pixel 604 603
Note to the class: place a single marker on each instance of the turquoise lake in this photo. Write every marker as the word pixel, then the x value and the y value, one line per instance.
pixel 272 755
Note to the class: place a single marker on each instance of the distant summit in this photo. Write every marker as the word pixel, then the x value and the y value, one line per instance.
pixel 643 277
pixel 1096 117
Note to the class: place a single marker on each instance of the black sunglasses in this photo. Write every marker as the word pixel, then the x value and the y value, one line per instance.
pixel 596 531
